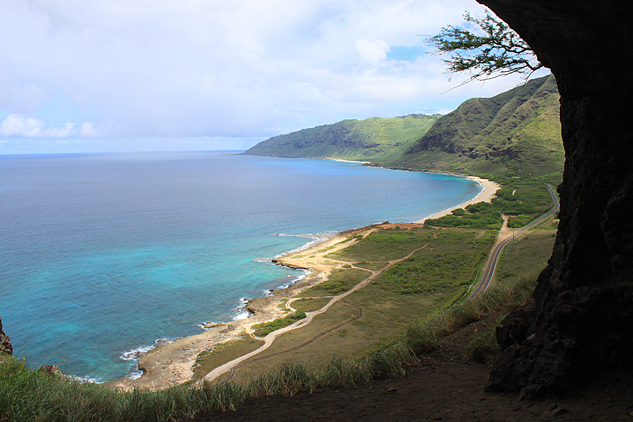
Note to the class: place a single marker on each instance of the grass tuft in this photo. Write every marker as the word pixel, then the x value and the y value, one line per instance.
pixel 287 379
pixel 483 348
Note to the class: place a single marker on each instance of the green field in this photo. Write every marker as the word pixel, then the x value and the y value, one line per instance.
pixel 437 274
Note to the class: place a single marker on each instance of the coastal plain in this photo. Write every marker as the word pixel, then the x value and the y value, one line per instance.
pixel 192 357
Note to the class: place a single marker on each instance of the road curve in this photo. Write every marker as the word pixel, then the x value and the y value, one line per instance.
pixel 491 264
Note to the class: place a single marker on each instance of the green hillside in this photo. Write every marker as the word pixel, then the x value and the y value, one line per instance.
pixel 374 139
pixel 517 132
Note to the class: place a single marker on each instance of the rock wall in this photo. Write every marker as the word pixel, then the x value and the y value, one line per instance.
pixel 5 343
pixel 582 317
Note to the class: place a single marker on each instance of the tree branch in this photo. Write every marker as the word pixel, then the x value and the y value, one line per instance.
pixel 498 51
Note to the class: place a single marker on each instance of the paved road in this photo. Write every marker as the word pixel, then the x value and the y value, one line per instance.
pixel 491 265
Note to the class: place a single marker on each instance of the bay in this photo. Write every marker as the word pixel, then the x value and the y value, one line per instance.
pixel 103 254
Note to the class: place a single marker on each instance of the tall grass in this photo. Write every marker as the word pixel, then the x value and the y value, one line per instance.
pixel 28 395
pixel 483 348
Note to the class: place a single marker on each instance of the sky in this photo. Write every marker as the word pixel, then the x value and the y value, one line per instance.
pixel 171 75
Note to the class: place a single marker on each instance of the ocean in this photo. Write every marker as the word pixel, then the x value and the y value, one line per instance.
pixel 102 255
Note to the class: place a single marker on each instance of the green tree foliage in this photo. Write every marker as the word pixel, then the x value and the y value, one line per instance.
pixel 493 50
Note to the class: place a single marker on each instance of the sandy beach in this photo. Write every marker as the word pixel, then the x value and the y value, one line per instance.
pixel 173 363
pixel 489 189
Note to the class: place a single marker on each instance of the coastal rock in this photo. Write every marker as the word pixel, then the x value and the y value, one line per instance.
pixel 283 263
pixel 5 343
pixel 582 316
pixel 52 370
pixel 258 305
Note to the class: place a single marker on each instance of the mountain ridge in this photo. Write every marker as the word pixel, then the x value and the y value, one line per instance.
pixel 375 138
pixel 515 133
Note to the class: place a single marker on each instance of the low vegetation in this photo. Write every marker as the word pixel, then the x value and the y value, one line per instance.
pixel 384 245
pixel 521 200
pixel 262 330
pixel 223 353
pixel 310 304
pixel 448 264
pixel 481 215
pixel 483 348
pixel 339 281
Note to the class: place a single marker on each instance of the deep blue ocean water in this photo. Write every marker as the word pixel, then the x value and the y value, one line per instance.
pixel 102 254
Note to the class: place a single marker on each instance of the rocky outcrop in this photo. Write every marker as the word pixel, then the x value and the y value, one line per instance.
pixel 582 316
pixel 52 370
pixel 5 343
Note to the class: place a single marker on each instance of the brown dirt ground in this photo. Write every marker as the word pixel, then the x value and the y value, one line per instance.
pixel 446 386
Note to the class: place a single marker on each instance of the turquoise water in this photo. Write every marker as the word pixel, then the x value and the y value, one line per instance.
pixel 101 255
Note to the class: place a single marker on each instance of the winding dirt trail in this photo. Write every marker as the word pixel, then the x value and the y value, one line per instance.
pixel 233 365
pixel 361 312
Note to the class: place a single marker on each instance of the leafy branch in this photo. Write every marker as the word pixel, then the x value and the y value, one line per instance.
pixel 499 51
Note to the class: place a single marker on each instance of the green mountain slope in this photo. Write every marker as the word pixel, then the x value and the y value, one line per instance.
pixel 374 139
pixel 517 132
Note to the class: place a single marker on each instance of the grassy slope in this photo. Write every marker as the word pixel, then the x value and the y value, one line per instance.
pixel 371 139
pixel 517 132
pixel 412 290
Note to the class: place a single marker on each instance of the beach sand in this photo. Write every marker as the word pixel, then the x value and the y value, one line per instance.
pixel 172 364
pixel 489 189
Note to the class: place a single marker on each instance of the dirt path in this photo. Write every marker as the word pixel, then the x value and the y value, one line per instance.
pixel 270 338
pixel 361 312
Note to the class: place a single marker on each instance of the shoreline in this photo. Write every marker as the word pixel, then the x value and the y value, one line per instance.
pixel 171 364
pixel 488 191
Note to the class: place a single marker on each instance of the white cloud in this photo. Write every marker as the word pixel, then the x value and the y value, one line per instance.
pixel 19 126
pixel 16 126
pixel 141 68
pixel 59 132
pixel 372 51
pixel 87 130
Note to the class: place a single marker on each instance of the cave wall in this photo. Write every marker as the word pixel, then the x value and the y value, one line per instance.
pixel 581 319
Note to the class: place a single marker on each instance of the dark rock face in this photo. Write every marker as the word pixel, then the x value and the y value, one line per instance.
pixel 582 317
pixel 5 343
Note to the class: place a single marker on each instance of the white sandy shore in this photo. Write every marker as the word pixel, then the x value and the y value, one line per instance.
pixel 488 191
pixel 172 364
